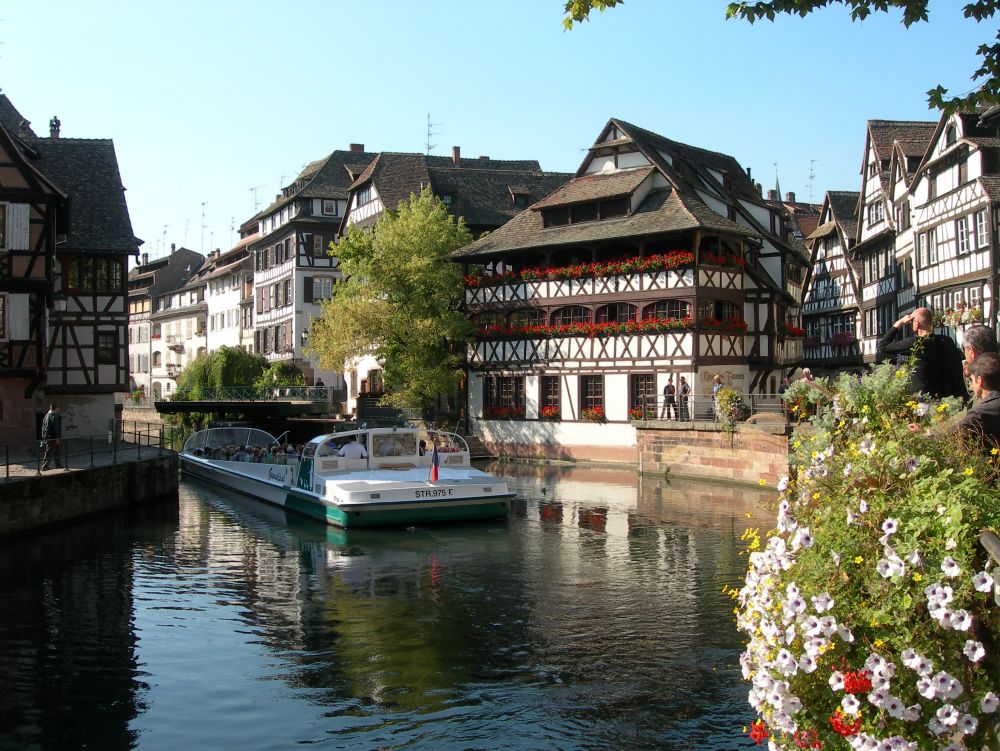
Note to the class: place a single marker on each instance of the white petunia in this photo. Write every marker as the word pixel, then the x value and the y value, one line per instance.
pixel 961 620
pixel 850 704
pixel 989 703
pixel 950 544
pixel 912 713
pixel 968 724
pixel 835 556
pixel 925 687
pixel 947 714
pixel 863 507
pixel 974 650
pixel 890 526
pixel 950 567
pixel 915 559
pixel 982 581
pixel 822 602
pixel 836 680
pixel 894 707
pixel 783 483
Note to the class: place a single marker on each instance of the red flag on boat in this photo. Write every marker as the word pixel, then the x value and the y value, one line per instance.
pixel 435 463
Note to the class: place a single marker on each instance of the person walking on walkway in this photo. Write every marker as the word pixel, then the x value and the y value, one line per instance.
pixel 51 436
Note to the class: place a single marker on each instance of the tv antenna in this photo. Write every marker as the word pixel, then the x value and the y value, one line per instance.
pixel 430 132
pixel 186 223
pixel 812 178
pixel 203 226
pixel 256 203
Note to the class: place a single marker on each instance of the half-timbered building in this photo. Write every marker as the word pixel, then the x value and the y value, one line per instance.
pixel 830 311
pixel 954 195
pixel 657 261
pixel 875 249
pixel 67 236
pixel 293 268
pixel 147 283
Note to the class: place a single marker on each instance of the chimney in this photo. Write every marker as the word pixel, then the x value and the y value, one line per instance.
pixel 772 195
pixel 54 127
pixel 484 158
pixel 24 129
pixel 357 148
pixel 456 155
pixel 145 258
pixel 789 197
pixel 173 247
pixel 749 176
pixel 760 189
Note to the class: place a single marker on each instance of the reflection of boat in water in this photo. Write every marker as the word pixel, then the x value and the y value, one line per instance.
pixel 395 482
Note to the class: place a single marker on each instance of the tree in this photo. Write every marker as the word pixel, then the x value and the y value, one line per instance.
pixel 988 74
pixel 280 373
pixel 227 366
pixel 400 302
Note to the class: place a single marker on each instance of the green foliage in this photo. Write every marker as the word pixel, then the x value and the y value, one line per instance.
pixel 914 11
pixel 874 573
pixel 578 11
pixel 279 374
pixel 227 366
pixel 400 302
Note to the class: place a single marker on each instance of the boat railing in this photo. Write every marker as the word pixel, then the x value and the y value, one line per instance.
pixel 213 439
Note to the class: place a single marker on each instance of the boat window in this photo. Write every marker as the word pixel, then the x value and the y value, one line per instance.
pixel 394 444
pixel 309 450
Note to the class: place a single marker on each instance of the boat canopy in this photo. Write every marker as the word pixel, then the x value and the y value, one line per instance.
pixel 220 438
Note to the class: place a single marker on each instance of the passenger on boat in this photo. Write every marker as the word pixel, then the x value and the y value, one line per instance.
pixel 422 447
pixel 271 457
pixel 353 450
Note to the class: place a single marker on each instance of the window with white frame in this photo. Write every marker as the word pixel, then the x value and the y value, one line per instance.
pixel 927 251
pixel 329 208
pixel 322 287
pixel 962 234
pixel 876 212
pixel 982 230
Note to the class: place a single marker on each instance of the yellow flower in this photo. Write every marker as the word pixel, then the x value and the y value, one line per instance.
pixel 942 408
pixel 968 472
pixel 859 559
pixel 879 643
pixel 874 622
pixel 994 451
pixel 762 482
pixel 816 495
pixel 864 409
pixel 796 444
pixel 917 577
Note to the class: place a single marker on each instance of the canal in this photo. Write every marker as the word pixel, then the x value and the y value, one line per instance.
pixel 594 618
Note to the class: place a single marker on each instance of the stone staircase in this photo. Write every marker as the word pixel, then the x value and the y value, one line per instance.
pixel 477 450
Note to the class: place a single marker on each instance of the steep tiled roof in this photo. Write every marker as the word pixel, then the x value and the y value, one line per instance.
pixel 827 228
pixel 396 176
pixel 844 206
pixel 991 185
pixel 87 169
pixel 328 178
pixel 485 198
pixel 11 119
pixel 595 186
pixel 662 211
pixel 885 132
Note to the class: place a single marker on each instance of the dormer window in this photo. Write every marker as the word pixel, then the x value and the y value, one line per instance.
pixel 329 208
pixel 365 195
pixel 446 198
pixel 585 212
pixel 950 135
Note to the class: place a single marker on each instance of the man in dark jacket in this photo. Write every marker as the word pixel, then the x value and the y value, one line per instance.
pixel 51 435
pixel 983 419
pixel 937 370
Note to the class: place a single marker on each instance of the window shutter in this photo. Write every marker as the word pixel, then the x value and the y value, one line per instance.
pixel 307 289
pixel 17 226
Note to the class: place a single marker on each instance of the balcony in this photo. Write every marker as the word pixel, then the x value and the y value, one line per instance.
pixel 173 369
pixel 175 342
pixel 673 345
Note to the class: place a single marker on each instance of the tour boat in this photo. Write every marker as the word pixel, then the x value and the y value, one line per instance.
pixel 403 480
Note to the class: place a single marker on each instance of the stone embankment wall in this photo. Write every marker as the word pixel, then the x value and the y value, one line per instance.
pixel 31 503
pixel 750 454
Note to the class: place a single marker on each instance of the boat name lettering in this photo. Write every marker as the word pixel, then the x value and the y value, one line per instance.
pixel 274 474
pixel 437 493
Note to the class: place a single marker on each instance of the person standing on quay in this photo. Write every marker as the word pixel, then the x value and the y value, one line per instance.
pixel 938 367
pixel 682 401
pixel 669 400
pixel 51 436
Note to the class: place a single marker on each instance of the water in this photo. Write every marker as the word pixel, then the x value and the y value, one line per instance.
pixel 592 619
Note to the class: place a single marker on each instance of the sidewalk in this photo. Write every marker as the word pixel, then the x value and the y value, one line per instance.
pixel 24 462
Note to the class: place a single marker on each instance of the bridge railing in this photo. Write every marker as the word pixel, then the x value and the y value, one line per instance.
pixel 261 393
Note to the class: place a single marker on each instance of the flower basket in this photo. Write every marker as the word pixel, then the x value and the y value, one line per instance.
pixel 593 414
pixel 842 339
pixel 503 413
pixel 550 412
pixel 637 413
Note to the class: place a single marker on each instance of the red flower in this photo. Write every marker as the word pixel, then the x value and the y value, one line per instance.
pixel 857 682
pixel 845 729
pixel 758 731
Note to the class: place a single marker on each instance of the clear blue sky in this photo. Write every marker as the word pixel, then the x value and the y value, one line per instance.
pixel 207 99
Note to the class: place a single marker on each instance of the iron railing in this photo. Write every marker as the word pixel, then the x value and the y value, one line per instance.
pixel 701 408
pixel 260 393
pixel 124 441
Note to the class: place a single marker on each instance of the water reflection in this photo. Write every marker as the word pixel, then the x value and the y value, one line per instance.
pixel 593 618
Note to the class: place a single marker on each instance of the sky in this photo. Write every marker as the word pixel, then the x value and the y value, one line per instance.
pixel 213 105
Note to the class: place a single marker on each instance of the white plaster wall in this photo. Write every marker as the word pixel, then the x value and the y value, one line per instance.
pixel 85 415
pixel 601 163
pixel 17 317
pixel 616 396
pixel 633 159
pixel 544 432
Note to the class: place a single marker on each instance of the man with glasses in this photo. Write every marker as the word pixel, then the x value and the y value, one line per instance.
pixel 978 340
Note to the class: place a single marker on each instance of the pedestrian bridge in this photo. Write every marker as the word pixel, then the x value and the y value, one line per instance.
pixel 255 401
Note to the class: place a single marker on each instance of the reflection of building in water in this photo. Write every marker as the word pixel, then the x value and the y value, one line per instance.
pixel 719 506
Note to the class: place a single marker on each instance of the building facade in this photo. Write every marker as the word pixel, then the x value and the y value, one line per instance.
pixel 658 261
pixel 66 238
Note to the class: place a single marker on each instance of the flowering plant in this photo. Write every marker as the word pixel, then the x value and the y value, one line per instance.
pixel 637 413
pixel 733 262
pixel 870 612
pixel 961 314
pixel 786 330
pixel 672 259
pixel 550 412
pixel 594 414
pixel 842 339
pixel 515 412
pixel 810 341
pixel 591 330
pixel 730 408
pixel 723 325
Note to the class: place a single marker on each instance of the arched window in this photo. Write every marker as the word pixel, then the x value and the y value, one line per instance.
pixel 157 359
pixel 667 309
pixel 528 317
pixel 570 314
pixel 615 313
pixel 485 320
